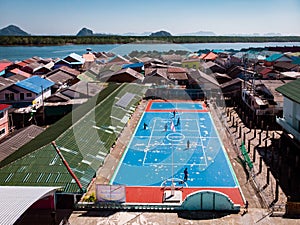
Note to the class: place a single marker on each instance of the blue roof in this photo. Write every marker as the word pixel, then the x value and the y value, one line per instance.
pixel 35 84
pixel 274 57
pixel 133 65
pixel 296 60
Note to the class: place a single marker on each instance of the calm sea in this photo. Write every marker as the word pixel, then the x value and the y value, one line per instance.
pixel 16 53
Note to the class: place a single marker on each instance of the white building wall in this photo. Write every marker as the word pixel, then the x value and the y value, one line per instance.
pixel 34 97
pixel 291 113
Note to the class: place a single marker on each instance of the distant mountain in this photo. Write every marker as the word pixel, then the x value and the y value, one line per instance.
pixel 199 33
pixel 85 32
pixel 161 33
pixel 12 30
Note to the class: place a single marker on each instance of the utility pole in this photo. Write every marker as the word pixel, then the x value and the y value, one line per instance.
pixel 43 108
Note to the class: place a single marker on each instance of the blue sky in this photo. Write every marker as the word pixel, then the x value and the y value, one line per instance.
pixel 176 16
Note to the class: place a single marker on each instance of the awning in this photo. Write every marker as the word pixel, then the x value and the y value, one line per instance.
pixel 15 200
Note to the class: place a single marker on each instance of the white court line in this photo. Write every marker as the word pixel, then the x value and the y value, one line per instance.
pixel 204 154
pixel 175 164
pixel 147 146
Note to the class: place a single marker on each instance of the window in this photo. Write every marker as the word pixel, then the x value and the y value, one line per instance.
pixel 2 131
pixel 1 115
pixel 29 95
pixel 21 96
pixel 9 96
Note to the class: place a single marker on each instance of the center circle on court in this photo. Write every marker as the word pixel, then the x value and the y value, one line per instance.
pixel 175 137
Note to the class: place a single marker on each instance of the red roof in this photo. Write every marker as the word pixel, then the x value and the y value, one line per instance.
pixel 4 65
pixel 4 106
pixel 265 71
pixel 20 72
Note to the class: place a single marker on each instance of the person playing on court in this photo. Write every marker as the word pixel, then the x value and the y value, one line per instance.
pixel 166 127
pixel 186 174
pixel 178 121
pixel 145 126
pixel 188 144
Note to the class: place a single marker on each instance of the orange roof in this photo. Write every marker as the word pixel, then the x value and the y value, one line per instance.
pixel 209 56
pixel 89 57
pixel 20 72
pixel 3 65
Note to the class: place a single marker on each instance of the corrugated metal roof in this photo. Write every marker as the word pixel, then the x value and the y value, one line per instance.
pixel 133 65
pixel 20 72
pixel 35 84
pixel 4 65
pixel 291 90
pixel 76 57
pixel 84 146
pixel 14 143
pixel 274 57
pixel 16 200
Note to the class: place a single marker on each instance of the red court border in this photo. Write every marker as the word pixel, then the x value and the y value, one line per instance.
pixel 148 107
pixel 142 194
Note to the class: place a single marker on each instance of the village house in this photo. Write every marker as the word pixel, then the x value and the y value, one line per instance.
pixel 210 56
pixel 89 59
pixel 267 73
pixel 127 75
pixel 117 59
pixel 138 66
pixel 275 58
pixel 290 121
pixel 17 71
pixel 192 63
pixel 285 66
pixel 4 66
pixel 63 76
pixel 156 76
pixel 6 82
pixel 72 60
pixel 26 92
pixel 211 67
pixel 4 121
pixel 178 75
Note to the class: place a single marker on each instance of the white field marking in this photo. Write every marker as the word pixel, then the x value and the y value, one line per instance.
pixel 102 153
pixel 68 150
pixel 204 154
pixel 175 164
pixel 116 118
pixel 54 160
pixel 86 162
pixel 147 146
